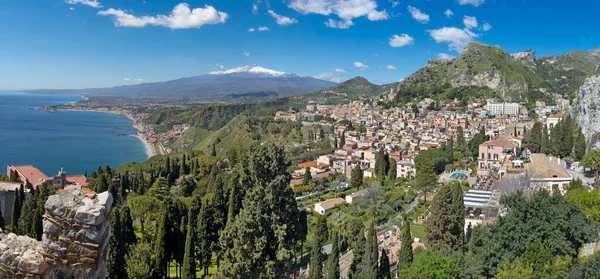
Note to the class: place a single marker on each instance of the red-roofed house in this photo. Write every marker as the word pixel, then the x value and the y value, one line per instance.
pixel 28 173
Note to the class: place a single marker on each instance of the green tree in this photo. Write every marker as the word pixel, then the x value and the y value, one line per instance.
pixel 592 160
pixel 333 263
pixel 356 235
pixel 475 141
pixel 518 270
pixel 587 201
pixel 316 261
pixel 535 138
pixel 381 164
pixel 138 263
pixel 356 177
pixel 393 173
pixel 443 225
pixel 16 212
pixel 461 144
pixel 307 177
pixel 266 220
pixel 426 176
pixel 335 142
pixel 161 257
pixel 343 140
pixel 545 141
pixel 1 218
pixel 432 264
pixel 371 258
pixel 579 146
pixel 116 255
pixel 189 259
pixel 384 266
pixel 128 233
pixel 405 254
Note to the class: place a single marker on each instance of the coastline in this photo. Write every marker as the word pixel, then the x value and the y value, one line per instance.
pixel 148 147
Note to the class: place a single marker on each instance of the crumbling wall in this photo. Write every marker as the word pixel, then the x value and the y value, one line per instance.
pixel 74 243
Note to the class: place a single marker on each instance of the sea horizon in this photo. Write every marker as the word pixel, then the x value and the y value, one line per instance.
pixel 77 141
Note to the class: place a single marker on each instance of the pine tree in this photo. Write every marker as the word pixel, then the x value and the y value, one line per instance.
pixel 28 209
pixel 579 146
pixel 333 263
pixel 307 177
pixel 16 212
pixel 117 251
pixel 405 254
pixel 384 266
pixel 189 258
pixel 356 178
pixel 161 257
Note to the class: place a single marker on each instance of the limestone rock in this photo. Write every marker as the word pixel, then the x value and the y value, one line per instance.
pixel 587 109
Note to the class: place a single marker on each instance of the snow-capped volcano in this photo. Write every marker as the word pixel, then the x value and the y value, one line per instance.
pixel 250 69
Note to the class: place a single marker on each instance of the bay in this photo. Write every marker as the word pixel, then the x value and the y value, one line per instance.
pixel 78 141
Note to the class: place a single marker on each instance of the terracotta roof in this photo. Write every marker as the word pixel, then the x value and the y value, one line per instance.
pixel 77 179
pixel 542 166
pixel 500 142
pixel 309 164
pixel 331 203
pixel 32 174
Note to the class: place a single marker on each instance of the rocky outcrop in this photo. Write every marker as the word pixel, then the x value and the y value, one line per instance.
pixel 74 243
pixel 587 109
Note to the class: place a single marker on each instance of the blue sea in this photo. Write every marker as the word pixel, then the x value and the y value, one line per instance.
pixel 77 141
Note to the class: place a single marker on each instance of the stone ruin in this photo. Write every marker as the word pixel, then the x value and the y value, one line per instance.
pixel 74 243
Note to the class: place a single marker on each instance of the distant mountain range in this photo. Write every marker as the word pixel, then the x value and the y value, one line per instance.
pixel 246 83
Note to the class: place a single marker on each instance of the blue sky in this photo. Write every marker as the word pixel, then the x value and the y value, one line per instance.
pixel 98 43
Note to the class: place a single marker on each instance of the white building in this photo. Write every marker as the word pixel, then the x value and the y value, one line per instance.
pixel 328 205
pixel 355 196
pixel 547 173
pixel 502 108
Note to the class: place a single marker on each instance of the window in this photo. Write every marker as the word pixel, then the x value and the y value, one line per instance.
pixel 482 156
pixel 489 156
pixel 482 165
pixel 495 157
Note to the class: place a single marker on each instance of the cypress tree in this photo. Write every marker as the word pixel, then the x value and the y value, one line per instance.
pixel 26 217
pixel 343 140
pixel 16 212
pixel 384 266
pixel 1 218
pixel 393 173
pixel 189 258
pixel 405 254
pixel 544 143
pixel 205 230
pixel 535 138
pixel 458 216
pixel 356 177
pixel 371 258
pixel 161 259
pixel 322 233
pixel 335 142
pixel 213 151
pixel 316 261
pixel 116 254
pixel 333 263
pixel 37 228
pixel 307 177
pixel 445 229
pixel 579 146
pixel 128 234
pixel 356 233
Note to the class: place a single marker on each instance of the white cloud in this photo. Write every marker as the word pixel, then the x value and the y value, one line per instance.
pixel 486 27
pixel 390 67
pixel 418 15
pixel 474 3
pixel 361 66
pixel 448 13
pixel 71 8
pixel 246 53
pixel 126 79
pixel 254 9
pixel 445 56
pixel 251 30
pixel 263 28
pixel 457 39
pixel 220 66
pixel 394 3
pixel 346 10
pixel 470 22
pixel 139 80
pixel 341 24
pixel 401 41
pixel 91 3
pixel 339 70
pixel 335 75
pixel 182 17
pixel 282 20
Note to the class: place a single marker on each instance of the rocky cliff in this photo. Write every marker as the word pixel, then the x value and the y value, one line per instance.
pixel 74 243
pixel 587 109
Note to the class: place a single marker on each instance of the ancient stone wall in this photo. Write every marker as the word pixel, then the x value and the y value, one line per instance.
pixel 74 243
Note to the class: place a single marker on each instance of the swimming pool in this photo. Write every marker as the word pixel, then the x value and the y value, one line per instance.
pixel 457 174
